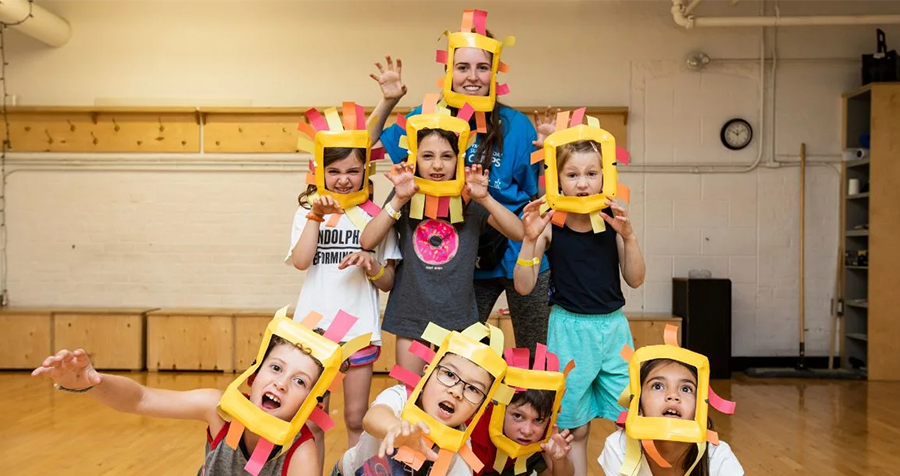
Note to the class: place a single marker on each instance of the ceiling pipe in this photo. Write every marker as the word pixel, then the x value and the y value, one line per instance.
pixel 30 19
pixel 681 15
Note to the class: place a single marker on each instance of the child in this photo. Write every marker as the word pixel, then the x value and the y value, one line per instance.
pixel 434 280
pixel 340 274
pixel 585 292
pixel 669 390
pixel 453 394
pixel 525 422
pixel 279 387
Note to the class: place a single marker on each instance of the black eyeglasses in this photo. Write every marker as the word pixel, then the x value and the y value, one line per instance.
pixel 470 392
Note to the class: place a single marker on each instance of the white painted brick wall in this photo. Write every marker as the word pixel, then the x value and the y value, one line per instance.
pixel 217 239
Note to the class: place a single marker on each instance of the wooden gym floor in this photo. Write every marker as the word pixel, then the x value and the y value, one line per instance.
pixel 814 427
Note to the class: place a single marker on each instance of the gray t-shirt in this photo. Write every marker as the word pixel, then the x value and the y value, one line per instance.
pixel 221 460
pixel 434 282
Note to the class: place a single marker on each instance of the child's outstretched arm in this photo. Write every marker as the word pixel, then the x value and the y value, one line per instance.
pixel 305 248
pixel 538 233
pixel 556 454
pixel 382 276
pixel 73 371
pixel 630 259
pixel 500 218
pixel 392 89
pixel 405 187
pixel 382 423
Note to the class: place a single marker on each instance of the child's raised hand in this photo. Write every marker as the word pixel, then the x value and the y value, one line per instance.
pixel 325 205
pixel 404 180
pixel 544 126
pixel 559 444
pixel 533 221
pixel 389 79
pixel 404 434
pixel 72 370
pixel 363 259
pixel 619 221
pixel 477 182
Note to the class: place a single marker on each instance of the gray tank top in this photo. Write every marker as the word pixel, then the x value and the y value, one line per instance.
pixel 221 460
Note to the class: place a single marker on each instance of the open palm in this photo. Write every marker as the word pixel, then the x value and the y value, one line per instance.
pixel 389 79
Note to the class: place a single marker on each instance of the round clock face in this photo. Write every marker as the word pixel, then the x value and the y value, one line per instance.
pixel 736 134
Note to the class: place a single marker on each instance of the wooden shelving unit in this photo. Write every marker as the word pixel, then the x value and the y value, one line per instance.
pixel 871 223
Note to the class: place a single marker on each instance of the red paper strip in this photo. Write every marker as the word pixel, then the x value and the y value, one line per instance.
pixel 479 19
pixel 259 456
pixel 577 117
pixel 369 207
pixel 422 351
pixel 465 112
pixel 540 357
pixel 360 118
pixel 321 419
pixel 623 157
pixel 377 153
pixel 440 56
pixel 719 403
pixel 552 362
pixel 401 121
pixel 443 207
pixel 339 326
pixel 623 415
pixel 316 119
pixel 502 89
pixel 405 376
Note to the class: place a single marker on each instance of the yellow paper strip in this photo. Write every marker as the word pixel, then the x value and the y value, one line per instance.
pixel 355 344
pixel 444 111
pixel 306 145
pixel 417 206
pixel 435 334
pixel 504 394
pixel 456 210
pixel 545 207
pixel 475 333
pixel 624 397
pixel 632 460
pixel 333 119
pixel 701 450
pixel 520 466
pixel 403 142
pixel 496 340
pixel 597 222
pixel 500 461
pixel 509 41
pixel 357 217
pixel 593 121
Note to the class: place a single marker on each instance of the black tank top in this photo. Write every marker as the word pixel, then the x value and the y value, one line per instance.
pixel 584 271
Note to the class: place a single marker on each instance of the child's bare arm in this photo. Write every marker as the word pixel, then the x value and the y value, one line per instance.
pixel 556 454
pixel 305 460
pixel 372 268
pixel 404 188
pixel 392 90
pixel 305 249
pixel 73 370
pixel 382 423
pixel 537 238
pixel 631 261
pixel 501 218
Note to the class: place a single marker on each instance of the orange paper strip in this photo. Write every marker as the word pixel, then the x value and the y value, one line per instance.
pixel 712 437
pixel 429 104
pixel 336 383
pixel 537 156
pixel 233 437
pixel 559 218
pixel 626 353
pixel 442 464
pixel 311 320
pixel 307 129
pixel 466 26
pixel 465 195
pixel 310 179
pixel 333 220
pixel 469 457
pixel 480 123
pixel 349 118
pixel 503 67
pixel 569 367
pixel 440 82
pixel 671 335
pixel 562 120
pixel 623 192
pixel 653 453
pixel 431 206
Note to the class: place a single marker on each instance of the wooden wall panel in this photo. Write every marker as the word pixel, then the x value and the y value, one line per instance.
pixel 113 340
pixel 190 339
pixel 25 337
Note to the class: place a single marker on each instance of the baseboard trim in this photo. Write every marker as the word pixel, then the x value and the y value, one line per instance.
pixel 739 364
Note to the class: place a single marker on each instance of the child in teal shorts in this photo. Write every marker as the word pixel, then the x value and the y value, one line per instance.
pixel 586 320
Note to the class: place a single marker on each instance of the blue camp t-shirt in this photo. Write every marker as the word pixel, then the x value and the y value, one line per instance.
pixel 513 181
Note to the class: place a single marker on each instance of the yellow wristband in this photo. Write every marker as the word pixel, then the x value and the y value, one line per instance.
pixel 377 276
pixel 528 264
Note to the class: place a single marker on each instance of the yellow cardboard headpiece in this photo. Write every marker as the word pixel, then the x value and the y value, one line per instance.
pixel 544 375
pixel 640 431
pixel 438 199
pixel 568 131
pixel 465 344
pixel 465 38
pixel 244 414
pixel 330 130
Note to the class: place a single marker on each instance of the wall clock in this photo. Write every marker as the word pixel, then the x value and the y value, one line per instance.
pixel 736 134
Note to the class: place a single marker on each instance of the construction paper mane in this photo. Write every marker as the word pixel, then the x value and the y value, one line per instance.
pixel 244 415
pixel 330 130
pixel 466 344
pixel 572 130
pixel 543 375
pixel 640 431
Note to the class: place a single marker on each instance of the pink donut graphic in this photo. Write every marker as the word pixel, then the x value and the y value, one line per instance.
pixel 435 242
